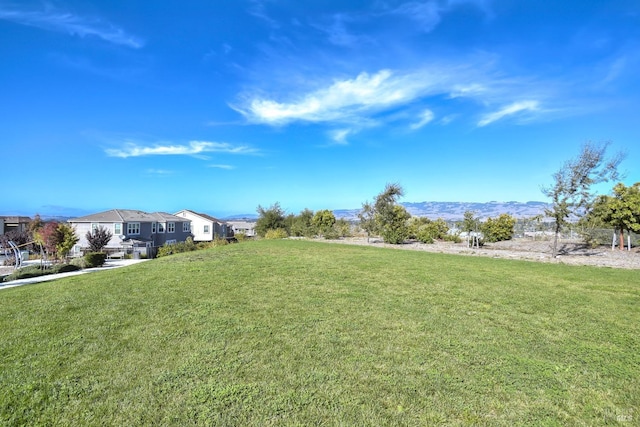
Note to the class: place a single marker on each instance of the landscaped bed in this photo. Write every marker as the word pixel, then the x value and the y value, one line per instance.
pixel 305 333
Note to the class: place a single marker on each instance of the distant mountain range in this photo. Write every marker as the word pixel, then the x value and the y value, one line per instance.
pixel 446 210
pixel 456 210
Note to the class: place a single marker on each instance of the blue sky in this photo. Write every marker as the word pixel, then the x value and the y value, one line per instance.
pixel 221 106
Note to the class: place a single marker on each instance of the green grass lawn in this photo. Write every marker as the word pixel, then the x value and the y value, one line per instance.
pixel 306 333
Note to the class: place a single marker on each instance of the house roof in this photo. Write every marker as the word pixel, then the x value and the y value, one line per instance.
pixel 203 215
pixel 127 215
pixel 15 219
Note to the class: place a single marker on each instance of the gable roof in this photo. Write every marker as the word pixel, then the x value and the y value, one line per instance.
pixel 15 219
pixel 127 215
pixel 203 216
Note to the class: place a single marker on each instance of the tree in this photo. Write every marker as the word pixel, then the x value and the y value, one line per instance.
pixel 300 225
pixel 98 238
pixel 272 218
pixel 323 221
pixel 622 210
pixel 46 237
pixel 499 229
pixel 65 239
pixel 470 224
pixel 56 238
pixel 393 225
pixel 367 219
pixel 386 218
pixel 571 192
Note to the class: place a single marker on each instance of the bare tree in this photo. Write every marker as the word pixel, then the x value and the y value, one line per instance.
pixel 571 192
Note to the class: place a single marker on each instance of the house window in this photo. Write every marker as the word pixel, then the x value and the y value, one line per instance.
pixel 206 229
pixel 185 227
pixel 117 229
pixel 133 228
pixel 153 228
pixel 171 227
pixel 171 242
pixel 94 226
pixel 160 227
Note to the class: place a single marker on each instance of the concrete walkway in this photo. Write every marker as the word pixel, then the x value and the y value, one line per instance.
pixel 108 265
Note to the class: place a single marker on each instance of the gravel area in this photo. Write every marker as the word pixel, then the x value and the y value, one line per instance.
pixel 570 252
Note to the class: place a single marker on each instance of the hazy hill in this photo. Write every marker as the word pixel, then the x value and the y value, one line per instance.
pixel 456 210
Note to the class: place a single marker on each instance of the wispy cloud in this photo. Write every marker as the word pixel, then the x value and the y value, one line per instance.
pixel 226 167
pixel 158 172
pixel 509 110
pixel 426 13
pixel 64 22
pixel 193 148
pixel 340 135
pixel 425 118
pixel 341 101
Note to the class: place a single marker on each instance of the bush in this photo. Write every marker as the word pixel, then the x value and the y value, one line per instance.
pixel 332 234
pixel 499 229
pixel 37 271
pixel 63 268
pixel 278 233
pixel 240 237
pixel 94 259
pixel 455 238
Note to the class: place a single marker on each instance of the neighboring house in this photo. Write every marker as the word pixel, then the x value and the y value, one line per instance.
pixel 244 227
pixel 206 228
pixel 133 230
pixel 14 223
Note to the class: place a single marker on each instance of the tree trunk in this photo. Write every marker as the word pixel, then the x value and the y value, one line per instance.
pixel 621 239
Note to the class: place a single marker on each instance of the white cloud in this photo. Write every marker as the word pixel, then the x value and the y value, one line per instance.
pixel 226 167
pixel 71 24
pixel 194 148
pixel 340 135
pixel 159 172
pixel 344 100
pixel 511 109
pixel 425 118
pixel 426 13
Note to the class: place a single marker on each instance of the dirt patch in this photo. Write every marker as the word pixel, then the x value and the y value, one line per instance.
pixel 569 252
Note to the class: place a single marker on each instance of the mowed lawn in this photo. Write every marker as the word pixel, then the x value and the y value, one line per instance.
pixel 308 333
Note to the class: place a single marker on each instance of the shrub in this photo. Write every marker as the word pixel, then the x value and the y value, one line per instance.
pixel 240 237
pixel 499 229
pixel 63 268
pixel 37 271
pixel 332 234
pixel 455 238
pixel 278 233
pixel 94 259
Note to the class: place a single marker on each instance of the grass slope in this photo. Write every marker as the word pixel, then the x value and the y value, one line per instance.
pixel 304 333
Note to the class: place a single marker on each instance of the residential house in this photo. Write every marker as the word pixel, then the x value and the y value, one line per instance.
pixel 206 228
pixel 14 223
pixel 243 227
pixel 133 231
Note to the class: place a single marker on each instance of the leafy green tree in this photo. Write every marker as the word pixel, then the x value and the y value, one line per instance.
pixel 342 227
pixel 385 217
pixel 393 224
pixel 367 219
pixel 98 238
pixel 470 222
pixel 426 230
pixel 301 224
pixel 323 221
pixel 272 218
pixel 622 210
pixel 65 236
pixel 571 192
pixel 498 229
